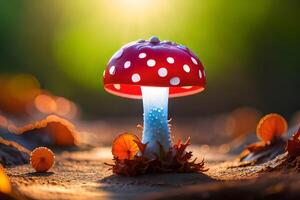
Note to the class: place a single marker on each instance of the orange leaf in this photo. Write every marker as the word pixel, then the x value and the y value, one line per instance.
pixel 125 146
pixel 42 159
pixel 5 186
pixel 271 126
pixel 62 131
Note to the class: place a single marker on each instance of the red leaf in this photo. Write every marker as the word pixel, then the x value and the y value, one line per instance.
pixel 293 145
pixel 176 159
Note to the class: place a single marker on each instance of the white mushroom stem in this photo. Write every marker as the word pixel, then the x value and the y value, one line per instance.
pixel 156 129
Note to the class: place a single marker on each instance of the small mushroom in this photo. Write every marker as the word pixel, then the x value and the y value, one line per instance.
pixel 270 127
pixel 154 71
pixel 42 159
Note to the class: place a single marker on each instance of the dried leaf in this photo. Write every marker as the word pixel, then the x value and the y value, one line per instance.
pixel 293 145
pixel 53 130
pixel 258 146
pixel 261 152
pixel 12 153
pixel 176 159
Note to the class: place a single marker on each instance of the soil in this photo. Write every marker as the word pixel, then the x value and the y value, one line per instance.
pixel 80 173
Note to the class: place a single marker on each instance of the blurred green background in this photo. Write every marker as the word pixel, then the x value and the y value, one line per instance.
pixel 250 49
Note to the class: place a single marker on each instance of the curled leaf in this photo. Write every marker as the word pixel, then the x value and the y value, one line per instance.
pixel 125 146
pixel 53 130
pixel 11 153
pixel 42 159
pixel 261 152
pixel 270 127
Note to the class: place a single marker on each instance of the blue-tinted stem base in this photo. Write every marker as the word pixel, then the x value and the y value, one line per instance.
pixel 156 129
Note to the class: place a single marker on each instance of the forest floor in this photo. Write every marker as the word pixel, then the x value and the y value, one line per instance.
pixel 80 173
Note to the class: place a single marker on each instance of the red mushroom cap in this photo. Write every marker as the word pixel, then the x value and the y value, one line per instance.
pixel 157 64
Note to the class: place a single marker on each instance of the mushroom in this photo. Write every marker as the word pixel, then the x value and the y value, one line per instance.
pixel 154 71
pixel 42 159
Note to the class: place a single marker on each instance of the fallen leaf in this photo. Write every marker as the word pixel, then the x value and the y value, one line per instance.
pixel 12 153
pixel 293 145
pixel 53 130
pixel 176 159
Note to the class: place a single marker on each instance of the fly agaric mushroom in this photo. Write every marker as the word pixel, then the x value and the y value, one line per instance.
pixel 154 71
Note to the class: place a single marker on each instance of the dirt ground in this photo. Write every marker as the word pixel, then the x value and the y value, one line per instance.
pixel 81 174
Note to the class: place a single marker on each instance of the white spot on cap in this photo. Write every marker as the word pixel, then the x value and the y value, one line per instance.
pixel 186 68
pixel 200 73
pixel 112 70
pixel 162 72
pixel 194 61
pixel 117 86
pixel 142 55
pixel 135 78
pixel 174 81
pixel 151 63
pixel 127 64
pixel 170 60
pixel 118 54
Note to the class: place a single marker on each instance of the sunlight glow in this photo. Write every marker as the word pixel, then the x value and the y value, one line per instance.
pixel 134 4
pixel 134 12
pixel 130 7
